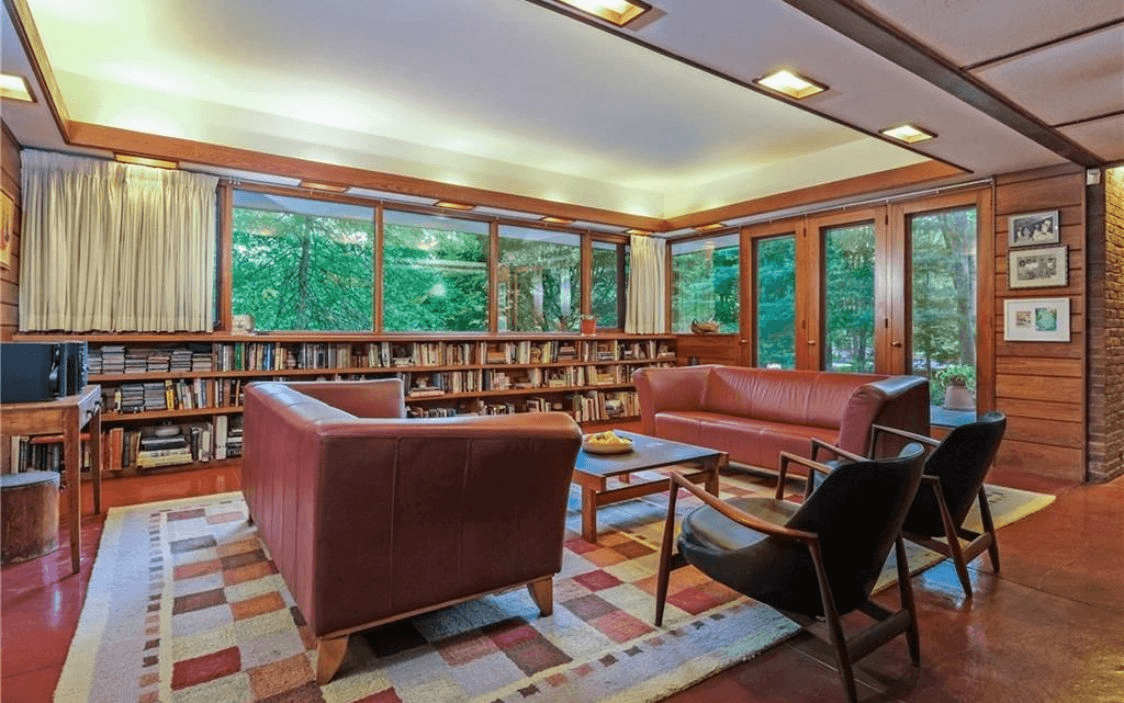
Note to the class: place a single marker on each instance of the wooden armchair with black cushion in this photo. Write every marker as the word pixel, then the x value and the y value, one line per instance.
pixel 954 476
pixel 819 559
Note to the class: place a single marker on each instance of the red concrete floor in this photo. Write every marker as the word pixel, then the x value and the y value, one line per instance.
pixel 1049 628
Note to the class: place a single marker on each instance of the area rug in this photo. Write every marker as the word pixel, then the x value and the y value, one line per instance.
pixel 184 605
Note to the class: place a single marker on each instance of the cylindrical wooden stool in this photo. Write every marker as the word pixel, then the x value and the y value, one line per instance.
pixel 29 515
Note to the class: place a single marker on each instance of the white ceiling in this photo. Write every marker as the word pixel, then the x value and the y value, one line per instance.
pixel 509 96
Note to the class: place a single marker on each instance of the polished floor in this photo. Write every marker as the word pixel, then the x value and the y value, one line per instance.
pixel 1050 627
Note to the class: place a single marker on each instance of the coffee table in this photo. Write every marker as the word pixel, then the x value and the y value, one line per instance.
pixel 591 472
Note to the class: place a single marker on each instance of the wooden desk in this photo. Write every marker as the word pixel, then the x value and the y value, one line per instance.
pixel 66 416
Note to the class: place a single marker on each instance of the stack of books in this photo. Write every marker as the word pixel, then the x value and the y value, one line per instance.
pixel 234 438
pixel 112 359
pixel 132 398
pixel 180 360
pixel 167 446
pixel 155 397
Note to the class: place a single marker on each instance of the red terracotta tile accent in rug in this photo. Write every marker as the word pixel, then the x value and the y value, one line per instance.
pixel 621 627
pixel 589 607
pixel 192 672
pixel 224 517
pixel 258 605
pixel 248 573
pixel 535 655
pixel 385 696
pixel 633 550
pixel 611 539
pixel 245 545
pixel 199 568
pixel 147 680
pixel 694 600
pixel 307 693
pixel 604 556
pixel 580 546
pixel 187 514
pixel 648 584
pixel 280 676
pixel 583 670
pixel 556 680
pixel 464 648
pixel 236 560
pixel 197 601
pixel 149 697
pixel 597 580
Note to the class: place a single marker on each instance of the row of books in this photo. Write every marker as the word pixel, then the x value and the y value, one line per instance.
pixel 44 454
pixel 182 394
pixel 590 406
pixel 172 445
pixel 423 385
pixel 117 359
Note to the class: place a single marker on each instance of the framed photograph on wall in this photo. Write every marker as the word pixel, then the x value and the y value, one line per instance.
pixel 1033 228
pixel 7 228
pixel 1036 320
pixel 1043 267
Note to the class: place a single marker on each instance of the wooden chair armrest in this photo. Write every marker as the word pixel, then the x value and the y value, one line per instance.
pixel 782 471
pixel 912 436
pixel 818 443
pixel 740 516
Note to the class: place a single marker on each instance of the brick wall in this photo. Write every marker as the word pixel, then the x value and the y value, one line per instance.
pixel 1106 327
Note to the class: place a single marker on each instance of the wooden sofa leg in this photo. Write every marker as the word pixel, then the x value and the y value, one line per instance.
pixel 329 656
pixel 542 592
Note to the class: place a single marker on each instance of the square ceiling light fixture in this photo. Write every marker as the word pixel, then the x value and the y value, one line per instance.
pixel 908 133
pixel 15 87
pixel 327 187
pixel 454 206
pixel 552 220
pixel 618 12
pixel 791 83
pixel 711 227
pixel 145 161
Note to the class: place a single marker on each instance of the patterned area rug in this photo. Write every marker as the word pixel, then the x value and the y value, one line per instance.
pixel 184 605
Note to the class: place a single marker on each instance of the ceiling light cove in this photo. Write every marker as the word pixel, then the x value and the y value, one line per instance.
pixel 15 87
pixel 619 12
pixel 329 187
pixel 454 206
pixel 791 83
pixel 552 220
pixel 908 133
pixel 145 161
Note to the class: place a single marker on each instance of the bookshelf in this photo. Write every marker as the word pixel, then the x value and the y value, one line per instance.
pixel 152 383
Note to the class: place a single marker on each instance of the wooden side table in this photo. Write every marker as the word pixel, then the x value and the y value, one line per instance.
pixel 67 415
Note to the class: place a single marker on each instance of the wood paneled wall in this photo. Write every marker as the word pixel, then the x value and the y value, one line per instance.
pixel 1041 386
pixel 10 277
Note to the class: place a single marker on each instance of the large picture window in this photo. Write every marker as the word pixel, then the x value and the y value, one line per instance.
pixel 435 273
pixel 705 283
pixel 610 278
pixel 849 298
pixel 539 280
pixel 302 264
pixel 775 276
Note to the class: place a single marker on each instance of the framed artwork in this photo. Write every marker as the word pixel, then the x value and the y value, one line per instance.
pixel 1033 228
pixel 1036 320
pixel 7 229
pixel 1043 267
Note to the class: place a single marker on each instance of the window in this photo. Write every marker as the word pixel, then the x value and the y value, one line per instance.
pixel 776 302
pixel 705 275
pixel 943 256
pixel 539 280
pixel 435 273
pixel 301 264
pixel 610 280
pixel 849 298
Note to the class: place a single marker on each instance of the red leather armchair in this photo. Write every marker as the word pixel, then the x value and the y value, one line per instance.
pixel 754 414
pixel 371 518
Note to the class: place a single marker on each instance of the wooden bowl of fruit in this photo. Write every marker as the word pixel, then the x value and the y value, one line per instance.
pixel 606 443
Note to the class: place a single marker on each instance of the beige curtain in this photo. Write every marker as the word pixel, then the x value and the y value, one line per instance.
pixel 647 291
pixel 114 247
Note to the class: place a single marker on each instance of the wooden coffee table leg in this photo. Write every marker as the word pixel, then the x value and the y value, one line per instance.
pixel 715 466
pixel 589 514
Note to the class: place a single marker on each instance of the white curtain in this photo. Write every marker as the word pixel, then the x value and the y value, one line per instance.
pixel 115 247
pixel 647 292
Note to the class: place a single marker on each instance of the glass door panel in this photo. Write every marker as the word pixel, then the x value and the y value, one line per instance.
pixel 849 261
pixel 775 279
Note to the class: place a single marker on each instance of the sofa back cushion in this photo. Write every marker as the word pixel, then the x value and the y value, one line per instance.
pixel 807 398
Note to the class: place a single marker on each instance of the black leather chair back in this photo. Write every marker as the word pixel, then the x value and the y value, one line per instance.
pixel 961 462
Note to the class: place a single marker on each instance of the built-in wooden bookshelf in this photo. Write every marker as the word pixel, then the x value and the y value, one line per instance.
pixel 195 382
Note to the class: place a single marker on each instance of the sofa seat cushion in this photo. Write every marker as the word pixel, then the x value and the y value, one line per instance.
pixel 747 441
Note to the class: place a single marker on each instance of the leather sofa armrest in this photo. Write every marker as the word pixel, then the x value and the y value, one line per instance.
pixel 680 388
pixel 897 401
pixel 378 398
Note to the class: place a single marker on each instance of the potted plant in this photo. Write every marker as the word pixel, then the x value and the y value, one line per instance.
pixel 589 324
pixel 957 395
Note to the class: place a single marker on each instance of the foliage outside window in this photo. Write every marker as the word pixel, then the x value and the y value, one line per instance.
pixel 943 250
pixel 435 273
pixel 610 277
pixel 849 298
pixel 539 280
pixel 705 283
pixel 776 302
pixel 301 264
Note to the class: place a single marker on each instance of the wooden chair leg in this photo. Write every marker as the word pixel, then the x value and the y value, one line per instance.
pixel 834 628
pixel 954 550
pixel 542 592
pixel 905 590
pixel 329 655
pixel 989 528
pixel 665 554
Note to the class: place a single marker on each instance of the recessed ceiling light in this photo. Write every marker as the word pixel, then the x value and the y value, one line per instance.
pixel 329 187
pixel 908 133
pixel 145 161
pixel 550 219
pixel 454 206
pixel 791 83
pixel 640 232
pixel 619 12
pixel 15 88
pixel 712 226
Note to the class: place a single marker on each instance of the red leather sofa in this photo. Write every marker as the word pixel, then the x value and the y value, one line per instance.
pixel 754 414
pixel 371 518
